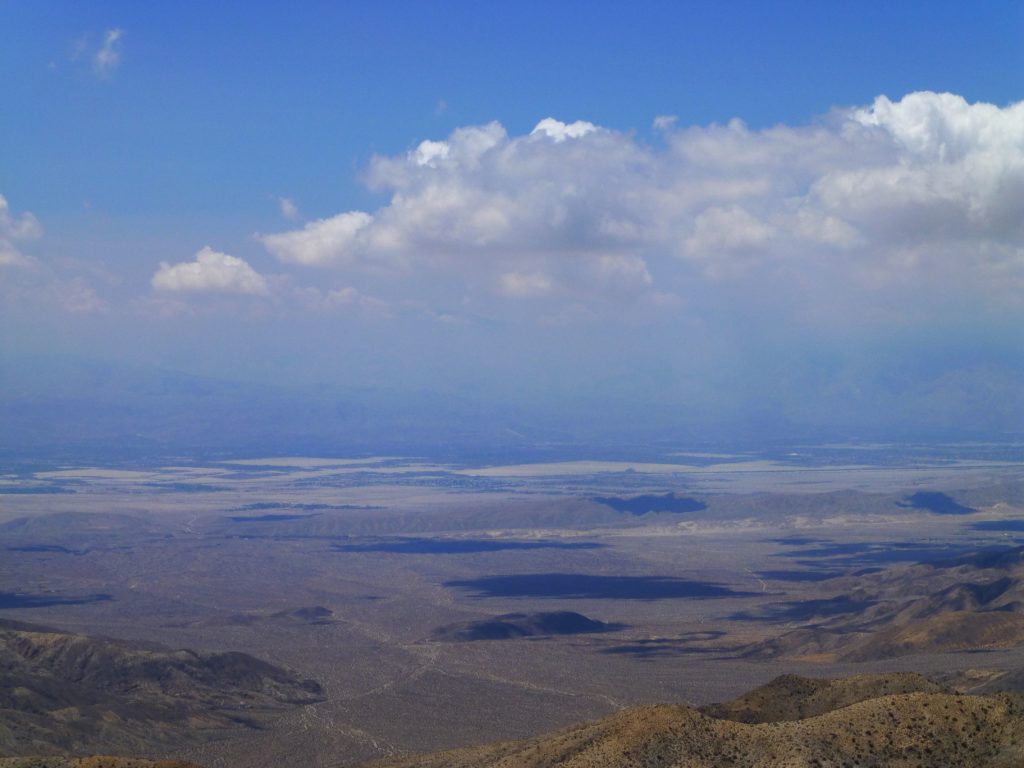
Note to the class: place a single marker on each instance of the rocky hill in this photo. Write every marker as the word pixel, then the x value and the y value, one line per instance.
pixel 920 726
pixel 868 721
pixel 971 602
pixel 792 697
pixel 68 693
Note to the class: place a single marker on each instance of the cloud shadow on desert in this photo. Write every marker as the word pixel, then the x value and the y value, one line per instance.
pixel 583 586
pixel 860 554
pixel 21 600
pixel 429 546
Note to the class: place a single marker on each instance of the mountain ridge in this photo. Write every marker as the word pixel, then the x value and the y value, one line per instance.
pixel 65 692
pixel 971 602
pixel 914 728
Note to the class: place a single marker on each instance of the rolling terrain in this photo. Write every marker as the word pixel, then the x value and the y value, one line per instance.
pixel 792 697
pixel 869 721
pixel 971 602
pixel 66 692
pixel 440 606
pixel 876 721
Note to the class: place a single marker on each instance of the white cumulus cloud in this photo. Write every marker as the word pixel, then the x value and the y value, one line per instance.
pixel 720 230
pixel 559 131
pixel 429 151
pixel 908 192
pixel 323 242
pixel 210 272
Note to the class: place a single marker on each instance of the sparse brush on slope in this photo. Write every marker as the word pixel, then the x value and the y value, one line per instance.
pixel 971 602
pixel 64 692
pixel 920 726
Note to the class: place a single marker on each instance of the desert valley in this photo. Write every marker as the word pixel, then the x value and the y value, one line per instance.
pixel 330 612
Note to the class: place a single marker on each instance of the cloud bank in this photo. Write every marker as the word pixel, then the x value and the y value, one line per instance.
pixel 924 193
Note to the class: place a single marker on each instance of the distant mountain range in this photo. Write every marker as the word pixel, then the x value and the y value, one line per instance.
pixel 57 409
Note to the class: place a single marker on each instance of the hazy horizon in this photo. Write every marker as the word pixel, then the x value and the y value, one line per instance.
pixel 353 226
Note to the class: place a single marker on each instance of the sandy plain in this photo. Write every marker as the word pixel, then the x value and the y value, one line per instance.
pixel 210 557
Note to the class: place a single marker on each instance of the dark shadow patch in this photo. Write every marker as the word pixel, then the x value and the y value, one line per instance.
pixel 512 625
pixel 429 546
pixel 997 557
pixel 798 541
pixel 651 649
pixel 589 587
pixel 860 554
pixel 21 600
pixel 265 505
pixel 54 548
pixel 267 518
pixel 936 502
pixel 313 615
pixel 641 505
pixel 802 610
pixel 184 487
pixel 998 525
pixel 20 490
pixel 799 575
pixel 666 647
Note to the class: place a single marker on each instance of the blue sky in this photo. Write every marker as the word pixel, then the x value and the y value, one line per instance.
pixel 721 214
pixel 210 109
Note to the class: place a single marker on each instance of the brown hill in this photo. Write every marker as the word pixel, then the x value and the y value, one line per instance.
pixel 945 631
pixel 67 693
pixel 899 730
pixel 792 697
pixel 989 680
pixel 971 602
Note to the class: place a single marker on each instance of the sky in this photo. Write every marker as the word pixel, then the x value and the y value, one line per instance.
pixel 747 213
